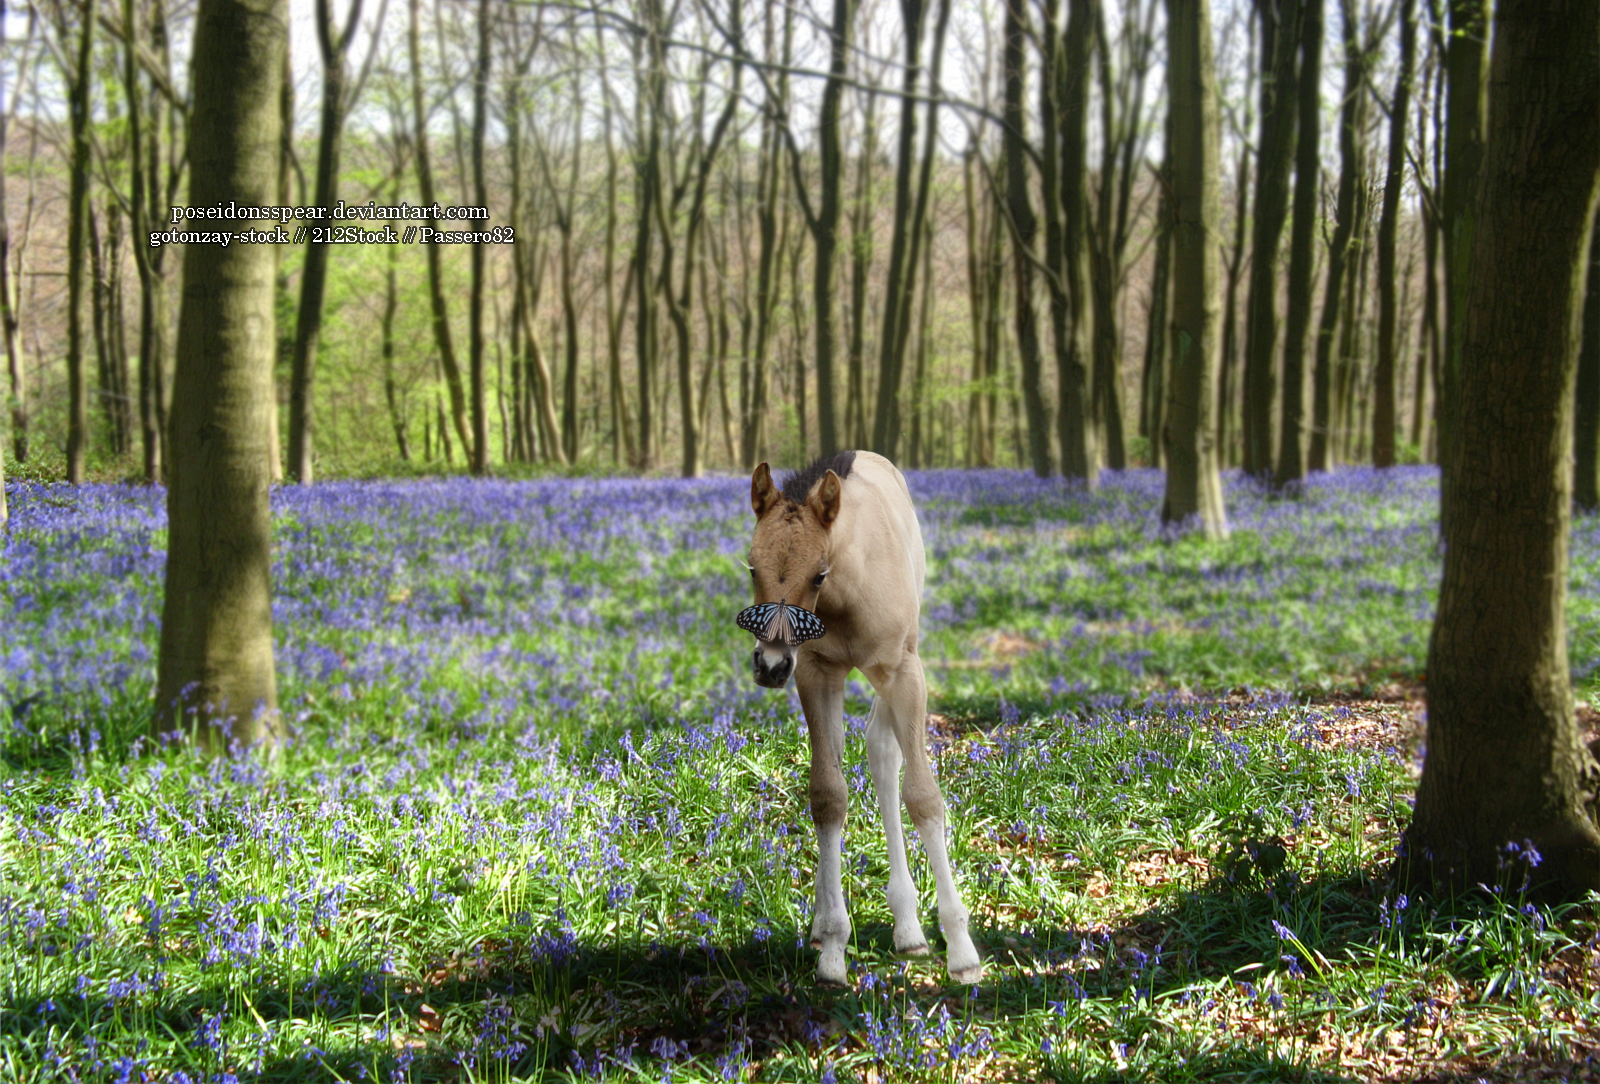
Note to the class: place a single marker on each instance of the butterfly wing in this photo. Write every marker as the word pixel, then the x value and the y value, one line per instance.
pixel 755 619
pixel 806 625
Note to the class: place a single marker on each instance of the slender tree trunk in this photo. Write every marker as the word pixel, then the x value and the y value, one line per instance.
pixel 1227 392
pixel 391 300
pixel 8 317
pixel 1505 763
pixel 1152 387
pixel 441 315
pixel 479 457
pixel 861 237
pixel 333 44
pixel 1074 349
pixel 1383 405
pixel 1024 228
pixel 1280 36
pixel 825 230
pixel 216 621
pixel 1351 194
pixel 79 102
pixel 1194 483
pixel 1302 257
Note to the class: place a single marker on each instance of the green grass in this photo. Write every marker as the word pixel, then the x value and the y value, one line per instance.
pixel 444 881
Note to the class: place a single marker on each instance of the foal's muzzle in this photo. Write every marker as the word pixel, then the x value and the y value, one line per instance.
pixel 773 664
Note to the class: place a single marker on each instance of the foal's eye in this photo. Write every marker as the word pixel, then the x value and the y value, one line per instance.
pixel 818 581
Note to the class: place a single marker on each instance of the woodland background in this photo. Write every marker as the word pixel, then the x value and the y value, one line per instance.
pixel 997 180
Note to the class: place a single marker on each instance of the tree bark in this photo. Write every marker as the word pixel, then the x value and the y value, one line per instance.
pixel 1194 482
pixel 333 44
pixel 1302 258
pixel 1586 409
pixel 441 314
pixel 825 230
pixel 79 102
pixel 480 196
pixel 1466 61
pixel 1505 763
pixel 1072 301
pixel 216 623
pixel 1280 26
pixel 1024 228
pixel 1352 186
pixel 1383 402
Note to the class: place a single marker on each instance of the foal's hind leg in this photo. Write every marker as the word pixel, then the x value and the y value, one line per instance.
pixel 822 699
pixel 904 694
pixel 884 758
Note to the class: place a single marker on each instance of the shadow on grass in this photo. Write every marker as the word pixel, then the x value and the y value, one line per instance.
pixel 539 1001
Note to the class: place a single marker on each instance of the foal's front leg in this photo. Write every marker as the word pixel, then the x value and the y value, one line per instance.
pixel 821 692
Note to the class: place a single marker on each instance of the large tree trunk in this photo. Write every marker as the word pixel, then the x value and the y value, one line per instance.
pixel 1383 403
pixel 1024 227
pixel 1194 483
pixel 1280 34
pixel 1466 61
pixel 216 620
pixel 1505 764
pixel 1291 469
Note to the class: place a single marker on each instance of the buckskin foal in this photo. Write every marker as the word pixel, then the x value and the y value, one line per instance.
pixel 837 565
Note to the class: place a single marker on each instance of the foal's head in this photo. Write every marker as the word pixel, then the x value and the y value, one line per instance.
pixel 788 559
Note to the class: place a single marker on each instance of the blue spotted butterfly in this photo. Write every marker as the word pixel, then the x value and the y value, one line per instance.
pixel 775 622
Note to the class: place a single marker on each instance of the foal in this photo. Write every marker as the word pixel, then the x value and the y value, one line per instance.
pixel 840 544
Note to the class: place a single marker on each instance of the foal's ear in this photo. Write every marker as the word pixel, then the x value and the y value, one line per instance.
pixel 763 494
pixel 823 500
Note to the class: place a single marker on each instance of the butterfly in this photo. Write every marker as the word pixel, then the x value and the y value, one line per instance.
pixel 778 621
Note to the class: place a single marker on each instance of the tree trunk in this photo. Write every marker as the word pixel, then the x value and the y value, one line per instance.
pixel 1505 763
pixel 901 278
pixel 1194 483
pixel 333 44
pixel 1302 257
pixel 479 457
pixel 825 230
pixel 1280 38
pixel 436 299
pixel 1352 188
pixel 216 621
pixel 1586 410
pixel 1152 387
pixel 1024 227
pixel 1075 328
pixel 861 236
pixel 1383 403
pixel 1465 113
pixel 79 103
pixel 391 301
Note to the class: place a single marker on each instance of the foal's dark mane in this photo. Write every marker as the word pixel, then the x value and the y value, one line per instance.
pixel 798 484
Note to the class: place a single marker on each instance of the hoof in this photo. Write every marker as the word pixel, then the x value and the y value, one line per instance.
pixel 914 950
pixel 967 976
pixel 831 984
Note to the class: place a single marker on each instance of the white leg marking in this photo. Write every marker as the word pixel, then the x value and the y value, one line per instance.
pixel 884 758
pixel 830 926
pixel 904 694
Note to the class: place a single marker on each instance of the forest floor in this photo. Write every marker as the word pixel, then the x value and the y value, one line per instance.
pixel 533 822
